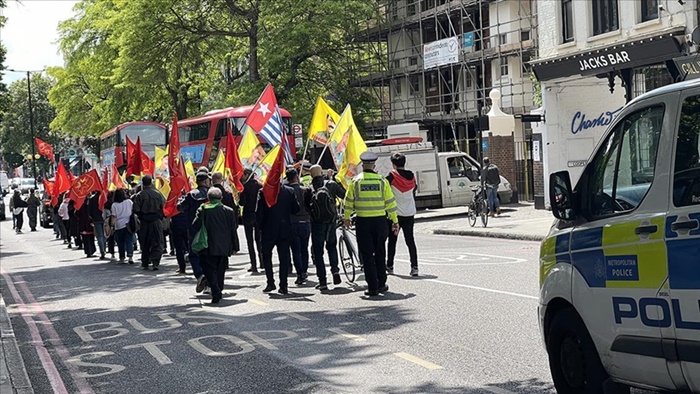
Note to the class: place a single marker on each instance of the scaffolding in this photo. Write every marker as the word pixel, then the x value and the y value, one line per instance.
pixel 497 39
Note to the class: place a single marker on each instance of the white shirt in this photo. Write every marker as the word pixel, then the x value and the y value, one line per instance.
pixel 122 211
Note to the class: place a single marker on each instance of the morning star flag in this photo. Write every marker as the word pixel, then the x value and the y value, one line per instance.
pixel 44 149
pixel 61 184
pixel 83 186
pixel 266 120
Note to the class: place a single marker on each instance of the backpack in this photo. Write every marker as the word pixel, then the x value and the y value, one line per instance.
pixel 322 206
pixel 134 224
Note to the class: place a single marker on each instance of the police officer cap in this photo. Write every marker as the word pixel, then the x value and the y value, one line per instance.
pixel 203 169
pixel 306 165
pixel 369 157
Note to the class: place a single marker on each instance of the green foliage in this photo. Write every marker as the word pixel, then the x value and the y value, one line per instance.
pixel 15 134
pixel 136 59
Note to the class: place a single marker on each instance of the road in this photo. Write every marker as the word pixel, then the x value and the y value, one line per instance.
pixel 468 324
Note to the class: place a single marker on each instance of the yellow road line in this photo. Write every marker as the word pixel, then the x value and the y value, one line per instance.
pixel 347 335
pixel 257 302
pixel 419 361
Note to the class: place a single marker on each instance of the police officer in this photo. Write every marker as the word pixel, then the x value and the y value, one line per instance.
pixel 306 174
pixel 371 198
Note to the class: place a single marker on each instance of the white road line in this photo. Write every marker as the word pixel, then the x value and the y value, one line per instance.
pixel 257 302
pixel 296 316
pixel 485 289
pixel 419 361
pixel 497 390
pixel 347 335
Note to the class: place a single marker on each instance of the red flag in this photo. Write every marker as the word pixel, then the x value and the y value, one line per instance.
pixel 233 162
pixel 83 186
pixel 48 187
pixel 138 162
pixel 174 149
pixel 61 184
pixel 44 149
pixel 105 189
pixel 130 149
pixel 117 180
pixel 176 186
pixel 273 181
pixel 183 175
pixel 263 110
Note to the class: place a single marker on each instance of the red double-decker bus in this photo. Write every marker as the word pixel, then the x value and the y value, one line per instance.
pixel 201 136
pixel 113 141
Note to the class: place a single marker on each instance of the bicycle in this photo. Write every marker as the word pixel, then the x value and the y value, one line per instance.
pixel 478 207
pixel 347 249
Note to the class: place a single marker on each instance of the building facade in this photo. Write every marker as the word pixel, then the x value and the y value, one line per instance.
pixel 434 62
pixel 595 56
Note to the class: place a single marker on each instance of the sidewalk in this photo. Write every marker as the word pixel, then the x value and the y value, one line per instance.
pixel 517 221
pixel 13 374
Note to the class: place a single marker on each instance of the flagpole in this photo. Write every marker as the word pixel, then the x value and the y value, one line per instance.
pixel 306 148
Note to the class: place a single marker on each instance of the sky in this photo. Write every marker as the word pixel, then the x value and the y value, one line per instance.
pixel 31 36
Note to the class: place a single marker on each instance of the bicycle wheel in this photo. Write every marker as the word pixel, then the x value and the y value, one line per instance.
pixel 484 213
pixel 346 258
pixel 471 215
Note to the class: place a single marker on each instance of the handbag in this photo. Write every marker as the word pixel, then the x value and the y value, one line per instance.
pixel 201 238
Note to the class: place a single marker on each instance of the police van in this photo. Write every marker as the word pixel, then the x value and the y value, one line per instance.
pixel 620 268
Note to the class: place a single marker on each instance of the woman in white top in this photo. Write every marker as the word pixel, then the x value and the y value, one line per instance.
pixel 65 219
pixel 121 212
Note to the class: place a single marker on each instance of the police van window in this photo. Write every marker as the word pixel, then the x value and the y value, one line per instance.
pixel 686 174
pixel 623 169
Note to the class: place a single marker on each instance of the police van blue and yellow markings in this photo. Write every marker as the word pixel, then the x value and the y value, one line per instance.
pixel 683 255
pixel 553 250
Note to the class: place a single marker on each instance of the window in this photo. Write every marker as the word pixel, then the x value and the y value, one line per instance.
pixel 196 132
pixel 650 10
pixel 686 173
pixel 502 39
pixel 567 20
pixel 395 64
pixel 148 133
pixel 411 9
pixel 524 35
pixel 605 18
pixel 460 168
pixel 504 66
pixel 397 86
pixel 413 60
pixel 221 129
pixel 621 172
pixel 414 85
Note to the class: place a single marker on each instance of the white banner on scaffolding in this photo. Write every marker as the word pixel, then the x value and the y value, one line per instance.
pixel 440 53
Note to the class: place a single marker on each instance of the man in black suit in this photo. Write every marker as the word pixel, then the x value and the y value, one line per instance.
pixel 248 201
pixel 275 224
pixel 216 219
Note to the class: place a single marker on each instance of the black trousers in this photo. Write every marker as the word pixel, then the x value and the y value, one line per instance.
pixel 371 235
pixel 31 214
pixel 252 237
pixel 89 244
pixel 152 243
pixel 178 236
pixel 19 221
pixel 214 268
pixel 283 251
pixel 323 234
pixel 406 224
pixel 65 231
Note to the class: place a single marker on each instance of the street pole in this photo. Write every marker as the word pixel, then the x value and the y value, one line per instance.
pixel 31 126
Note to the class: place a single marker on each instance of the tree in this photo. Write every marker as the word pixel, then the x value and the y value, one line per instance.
pixel 15 133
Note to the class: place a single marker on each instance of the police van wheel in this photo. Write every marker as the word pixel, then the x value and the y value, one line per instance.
pixel 573 358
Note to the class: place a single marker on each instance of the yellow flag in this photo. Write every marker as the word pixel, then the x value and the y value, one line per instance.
pixel 251 151
pixel 351 159
pixel 162 170
pixel 266 164
pixel 163 186
pixel 220 161
pixel 341 136
pixel 323 121
pixel 189 168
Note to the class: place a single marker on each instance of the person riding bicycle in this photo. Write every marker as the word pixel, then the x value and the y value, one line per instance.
pixel 491 178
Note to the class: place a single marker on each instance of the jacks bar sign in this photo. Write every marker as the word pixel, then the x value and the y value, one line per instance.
pixel 617 57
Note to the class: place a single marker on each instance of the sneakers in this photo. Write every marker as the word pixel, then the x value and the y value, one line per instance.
pixel 180 272
pixel 370 293
pixel 283 290
pixel 155 268
pixel 201 283
pixel 206 290
pixel 336 279
pixel 270 287
pixel 498 211
pixel 131 260
pixel 384 289
pixel 414 271
pixel 300 280
pixel 390 270
pixel 321 287
pixel 253 269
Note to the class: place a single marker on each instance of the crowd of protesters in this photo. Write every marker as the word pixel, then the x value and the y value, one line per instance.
pixel 301 226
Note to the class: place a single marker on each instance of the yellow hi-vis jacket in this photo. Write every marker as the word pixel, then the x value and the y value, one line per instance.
pixel 370 196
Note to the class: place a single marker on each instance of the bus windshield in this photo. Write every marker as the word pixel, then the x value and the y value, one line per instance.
pixel 149 134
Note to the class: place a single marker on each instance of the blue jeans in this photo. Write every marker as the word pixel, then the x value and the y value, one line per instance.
pixel 194 257
pixel 492 197
pixel 125 243
pixel 300 246
pixel 100 235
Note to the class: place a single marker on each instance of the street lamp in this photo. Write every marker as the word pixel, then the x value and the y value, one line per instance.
pixel 31 115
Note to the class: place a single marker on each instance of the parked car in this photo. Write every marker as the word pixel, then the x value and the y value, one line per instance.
pixel 46 213
pixel 2 204
pixel 26 184
pixel 4 183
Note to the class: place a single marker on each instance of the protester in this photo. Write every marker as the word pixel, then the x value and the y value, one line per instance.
pixel 97 222
pixel 33 205
pixel 121 213
pixel 227 199
pixel 301 230
pixel 188 206
pixel 12 210
pixel 491 178
pixel 73 230
pixel 275 224
pixel 58 221
pixel 215 218
pixel 403 185
pixel 86 230
pixel 65 219
pixel 320 201
pixel 305 174
pixel 148 207
pixel 248 201
pixel 178 233
pixel 371 198
pixel 18 205
pixel 110 231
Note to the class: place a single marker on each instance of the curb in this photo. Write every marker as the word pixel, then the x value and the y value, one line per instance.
pixel 488 234
pixel 11 356
pixel 439 217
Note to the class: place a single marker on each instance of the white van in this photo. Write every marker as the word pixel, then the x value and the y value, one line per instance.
pixel 620 268
pixel 4 182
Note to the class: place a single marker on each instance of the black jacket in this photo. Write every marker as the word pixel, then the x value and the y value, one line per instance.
pixel 222 237
pixel 191 202
pixel 334 188
pixel 276 222
pixel 249 200
pixel 94 209
pixel 149 204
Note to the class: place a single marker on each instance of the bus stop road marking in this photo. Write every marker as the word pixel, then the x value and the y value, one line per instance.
pixel 419 361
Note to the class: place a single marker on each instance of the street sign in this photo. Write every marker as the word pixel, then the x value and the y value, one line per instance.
pixel 72 153
pixel 530 118
pixel 484 145
pixel 297 128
